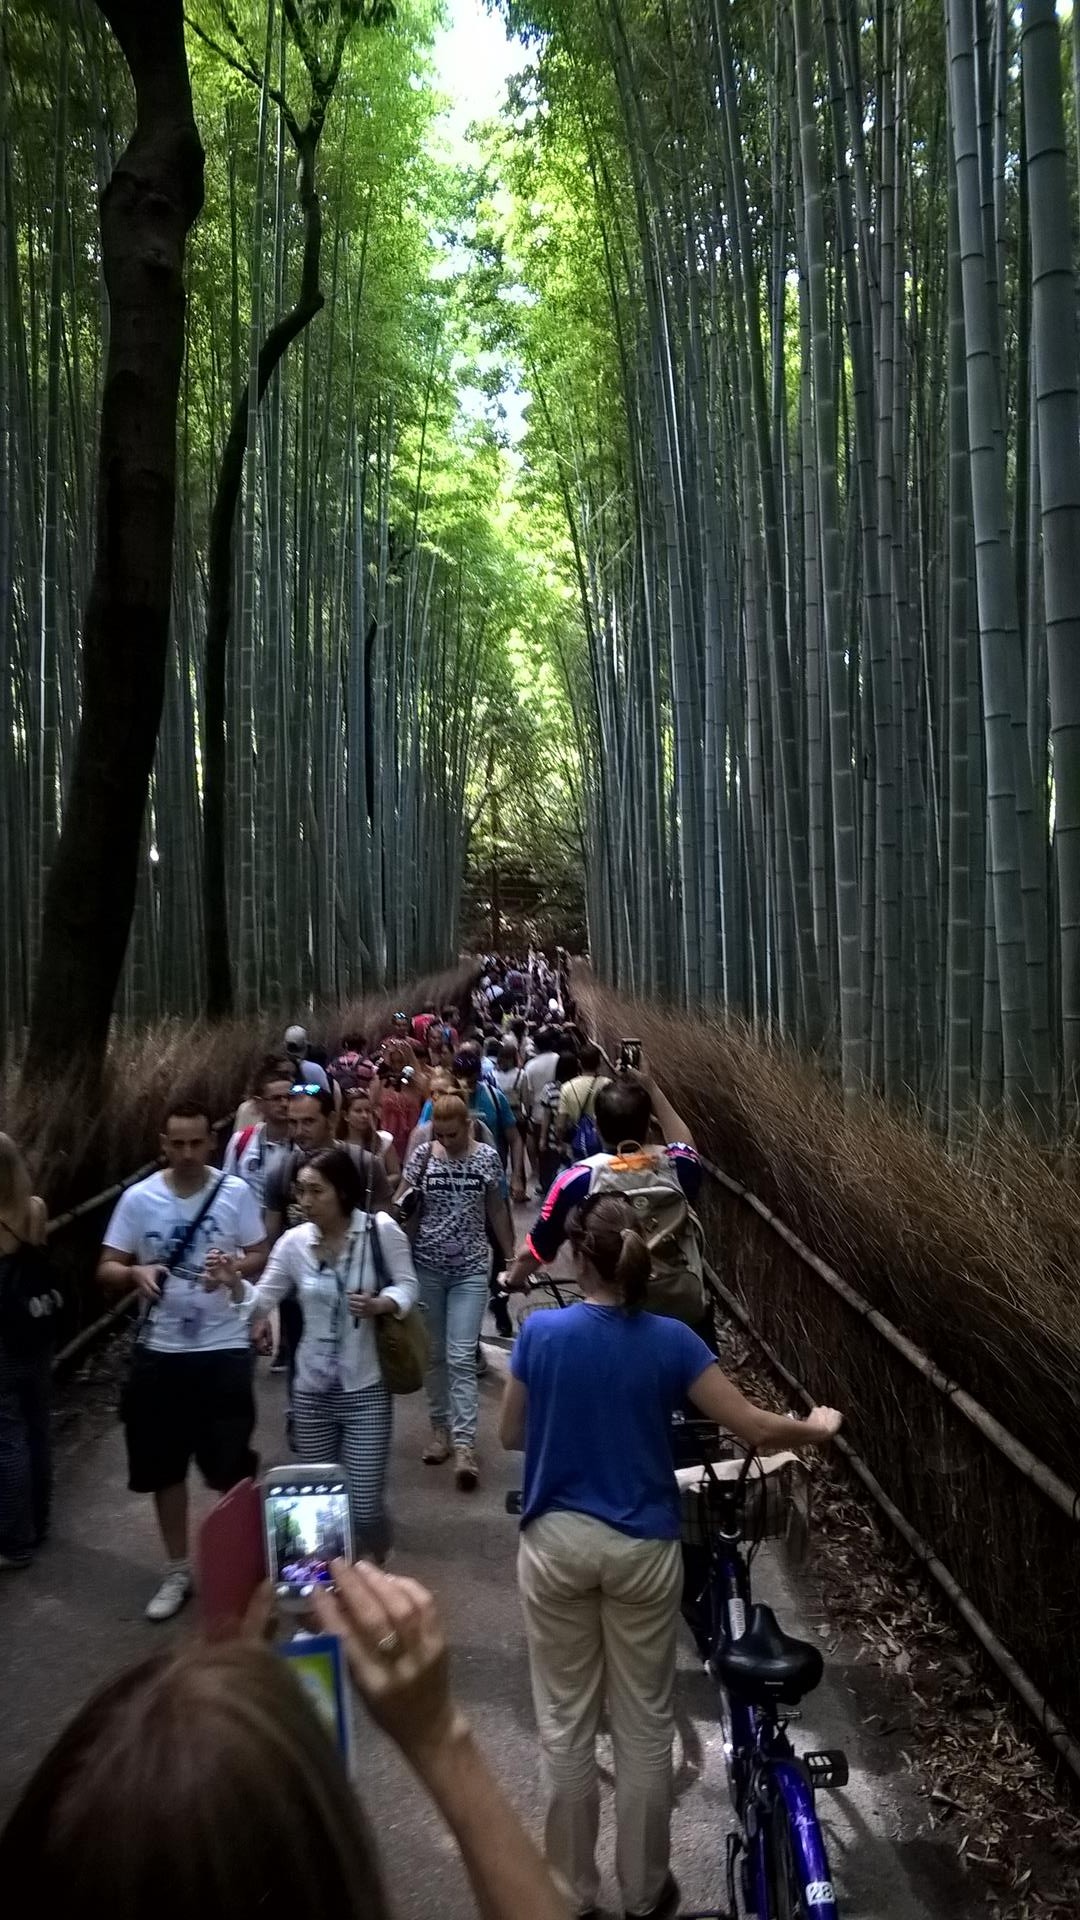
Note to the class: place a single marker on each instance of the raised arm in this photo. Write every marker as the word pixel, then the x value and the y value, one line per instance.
pixel 408 1694
pixel 672 1126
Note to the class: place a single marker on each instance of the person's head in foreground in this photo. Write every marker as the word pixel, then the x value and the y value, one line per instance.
pixel 611 1260
pixel 197 1786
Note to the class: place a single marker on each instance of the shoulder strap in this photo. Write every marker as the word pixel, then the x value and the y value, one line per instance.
pixel 243 1142
pixel 377 1254
pixel 193 1226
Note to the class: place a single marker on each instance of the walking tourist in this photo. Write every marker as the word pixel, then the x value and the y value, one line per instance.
pixel 590 1399
pixel 304 1068
pixel 253 1148
pixel 551 1152
pixel 662 1181
pixel 347 1267
pixel 311 1122
pixel 360 1131
pixel 402 1091
pixel 575 1125
pixel 189 1394
pixel 460 1188
pixel 238 1807
pixel 26 1345
pixel 539 1072
pixel 510 1080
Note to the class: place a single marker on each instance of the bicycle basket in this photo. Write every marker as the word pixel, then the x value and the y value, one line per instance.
pixel 776 1495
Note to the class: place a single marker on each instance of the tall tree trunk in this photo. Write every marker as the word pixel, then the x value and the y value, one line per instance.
pixel 154 196
pixel 219 988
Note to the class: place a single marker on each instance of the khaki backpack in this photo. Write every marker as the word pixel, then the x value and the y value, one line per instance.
pixel 668 1225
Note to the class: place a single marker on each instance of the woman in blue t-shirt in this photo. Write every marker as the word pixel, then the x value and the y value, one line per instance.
pixel 590 1399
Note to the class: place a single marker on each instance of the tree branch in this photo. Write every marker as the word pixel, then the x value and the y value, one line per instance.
pixel 249 73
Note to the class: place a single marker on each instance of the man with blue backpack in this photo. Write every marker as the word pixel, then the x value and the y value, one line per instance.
pixel 575 1125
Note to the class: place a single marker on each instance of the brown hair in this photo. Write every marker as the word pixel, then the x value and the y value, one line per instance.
pixel 349 1098
pixel 602 1231
pixel 199 1782
pixel 448 1107
pixel 15 1185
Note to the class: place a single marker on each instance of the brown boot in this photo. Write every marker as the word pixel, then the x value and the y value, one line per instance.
pixel 438 1448
pixel 466 1468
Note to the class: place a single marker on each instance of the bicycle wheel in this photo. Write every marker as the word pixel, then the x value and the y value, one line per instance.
pixel 797 1885
pixel 785 1895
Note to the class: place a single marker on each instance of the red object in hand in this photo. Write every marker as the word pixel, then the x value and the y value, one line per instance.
pixel 230 1558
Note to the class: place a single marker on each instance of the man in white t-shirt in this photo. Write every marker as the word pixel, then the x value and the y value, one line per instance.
pixel 190 1391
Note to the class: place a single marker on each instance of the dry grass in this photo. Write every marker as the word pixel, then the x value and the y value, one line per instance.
pixel 75 1153
pixel 978 1261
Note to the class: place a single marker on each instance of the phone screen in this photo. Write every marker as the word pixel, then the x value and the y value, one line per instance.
pixel 307 1526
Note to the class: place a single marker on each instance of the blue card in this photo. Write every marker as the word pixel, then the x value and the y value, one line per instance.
pixel 318 1661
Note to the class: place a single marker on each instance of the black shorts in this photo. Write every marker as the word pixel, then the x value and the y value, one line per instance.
pixel 182 1406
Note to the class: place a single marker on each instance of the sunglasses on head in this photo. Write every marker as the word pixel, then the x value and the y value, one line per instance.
pixel 307 1087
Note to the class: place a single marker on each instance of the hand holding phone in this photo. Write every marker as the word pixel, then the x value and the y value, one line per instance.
pixel 631 1053
pixel 308 1525
pixel 397 1654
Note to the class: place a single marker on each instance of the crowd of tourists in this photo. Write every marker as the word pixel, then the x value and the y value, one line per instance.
pixel 362 1191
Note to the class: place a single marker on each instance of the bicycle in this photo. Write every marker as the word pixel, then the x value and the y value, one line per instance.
pixel 777 1864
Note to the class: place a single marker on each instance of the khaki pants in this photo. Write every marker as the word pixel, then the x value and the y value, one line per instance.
pixel 601 1613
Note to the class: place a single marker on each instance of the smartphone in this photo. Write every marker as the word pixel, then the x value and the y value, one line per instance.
pixel 230 1558
pixel 318 1661
pixel 630 1052
pixel 308 1525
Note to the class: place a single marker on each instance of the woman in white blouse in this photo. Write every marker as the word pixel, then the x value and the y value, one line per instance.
pixel 342 1409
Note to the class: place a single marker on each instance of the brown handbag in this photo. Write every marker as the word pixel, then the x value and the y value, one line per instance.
pixel 402 1343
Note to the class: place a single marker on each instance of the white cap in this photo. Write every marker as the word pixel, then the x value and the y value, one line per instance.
pixel 295 1039
pixel 554 1007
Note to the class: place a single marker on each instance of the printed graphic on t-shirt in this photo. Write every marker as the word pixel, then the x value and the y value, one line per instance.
pixel 452 1232
pixel 150 1222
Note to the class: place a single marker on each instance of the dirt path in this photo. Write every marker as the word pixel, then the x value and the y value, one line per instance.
pixel 76 1618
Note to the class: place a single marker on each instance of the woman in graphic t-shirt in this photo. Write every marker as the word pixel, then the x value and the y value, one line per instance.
pixel 590 1399
pixel 462 1187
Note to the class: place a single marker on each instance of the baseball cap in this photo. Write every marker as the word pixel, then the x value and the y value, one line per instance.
pixel 295 1039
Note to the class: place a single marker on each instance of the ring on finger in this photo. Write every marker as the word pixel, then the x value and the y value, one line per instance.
pixel 389 1645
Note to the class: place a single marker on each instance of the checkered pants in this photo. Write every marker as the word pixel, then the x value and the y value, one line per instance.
pixel 352 1429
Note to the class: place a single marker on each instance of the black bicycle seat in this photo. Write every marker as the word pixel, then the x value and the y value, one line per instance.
pixel 766 1664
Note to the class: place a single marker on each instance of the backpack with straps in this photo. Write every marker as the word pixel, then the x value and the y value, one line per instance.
pixel 585 1139
pixel 668 1225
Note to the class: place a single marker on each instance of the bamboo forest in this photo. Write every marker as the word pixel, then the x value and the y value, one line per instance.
pixel 673 486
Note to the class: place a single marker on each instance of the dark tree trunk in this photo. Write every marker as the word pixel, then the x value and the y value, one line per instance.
pixel 147 209
pixel 219 989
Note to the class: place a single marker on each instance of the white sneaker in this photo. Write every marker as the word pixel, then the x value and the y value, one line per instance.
pixel 174 1590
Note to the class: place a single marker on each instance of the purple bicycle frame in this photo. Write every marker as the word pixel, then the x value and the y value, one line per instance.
pixel 751 1736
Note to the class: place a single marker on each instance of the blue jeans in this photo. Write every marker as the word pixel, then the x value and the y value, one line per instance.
pixel 453 1307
